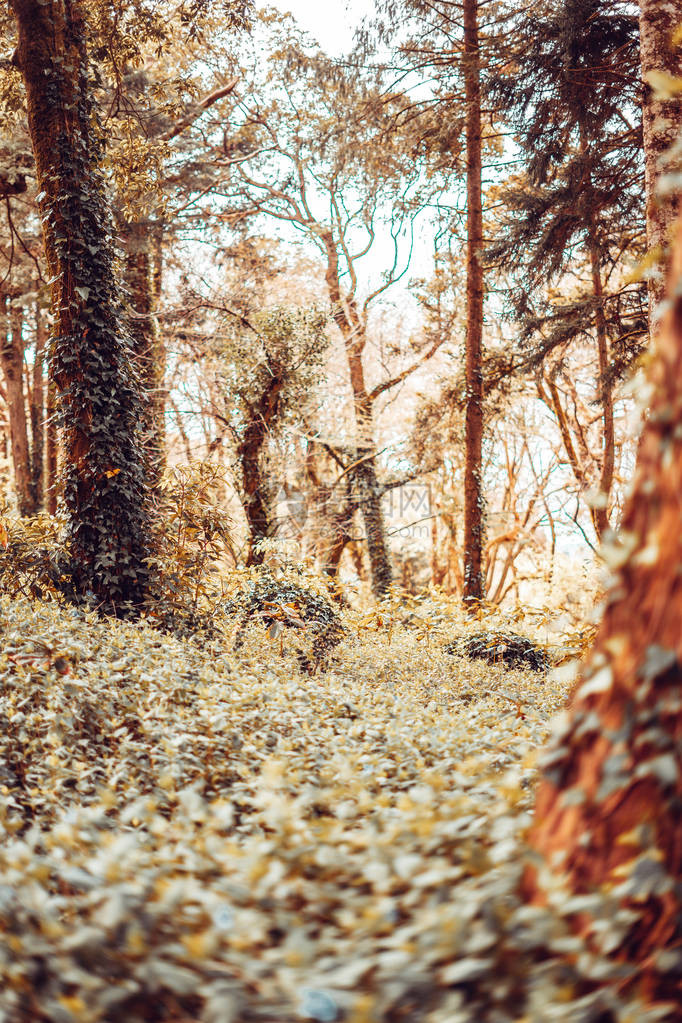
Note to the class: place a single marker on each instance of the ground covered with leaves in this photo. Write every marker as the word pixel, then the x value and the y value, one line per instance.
pixel 200 829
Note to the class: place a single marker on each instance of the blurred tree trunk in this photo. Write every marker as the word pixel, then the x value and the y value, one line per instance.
pixel 473 590
pixel 12 360
pixel 608 809
pixel 662 117
pixel 105 487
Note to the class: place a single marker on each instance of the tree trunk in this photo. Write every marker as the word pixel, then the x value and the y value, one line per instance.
pixel 12 359
pixel 368 495
pixel 661 120
pixel 105 486
pixel 600 514
pixel 254 496
pixel 364 475
pixel 473 590
pixel 38 414
pixel 607 809
pixel 51 450
pixel 143 277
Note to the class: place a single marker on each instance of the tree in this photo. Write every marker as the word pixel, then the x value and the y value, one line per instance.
pixel 662 115
pixel 318 148
pixel 473 589
pixel 577 208
pixel 607 810
pixel 105 492
pixel 451 48
pixel 12 362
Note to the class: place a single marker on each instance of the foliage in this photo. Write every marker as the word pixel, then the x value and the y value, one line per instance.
pixel 506 648
pixel 33 559
pixel 574 111
pixel 192 545
pixel 191 832
pixel 281 604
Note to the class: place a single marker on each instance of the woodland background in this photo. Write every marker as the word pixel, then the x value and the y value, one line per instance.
pixel 331 388
pixel 294 232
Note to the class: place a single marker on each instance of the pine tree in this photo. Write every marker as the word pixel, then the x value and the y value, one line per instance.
pixel 577 208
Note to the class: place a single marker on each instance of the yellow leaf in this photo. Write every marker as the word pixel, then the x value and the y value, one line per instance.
pixel 664 85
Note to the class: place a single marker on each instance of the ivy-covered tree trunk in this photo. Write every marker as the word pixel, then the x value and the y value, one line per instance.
pixel 12 361
pixel 607 813
pixel 98 400
pixel 473 589
pixel 254 493
pixel 662 117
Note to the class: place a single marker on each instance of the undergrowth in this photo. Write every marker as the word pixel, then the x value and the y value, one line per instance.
pixel 200 831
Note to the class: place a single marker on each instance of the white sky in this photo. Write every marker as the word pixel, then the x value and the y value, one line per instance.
pixel 331 22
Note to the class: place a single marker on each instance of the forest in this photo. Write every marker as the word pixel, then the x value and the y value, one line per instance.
pixel 341 512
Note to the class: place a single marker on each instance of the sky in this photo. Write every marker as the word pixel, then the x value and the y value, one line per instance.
pixel 331 22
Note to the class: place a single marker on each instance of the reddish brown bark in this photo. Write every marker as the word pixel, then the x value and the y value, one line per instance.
pixel 51 451
pixel 473 589
pixel 38 412
pixel 611 792
pixel 661 119
pixel 12 361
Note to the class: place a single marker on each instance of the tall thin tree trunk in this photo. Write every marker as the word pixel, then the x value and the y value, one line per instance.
pixel 38 413
pixel 607 811
pixel 160 393
pixel 12 360
pixel 473 484
pixel 600 514
pixel 143 276
pixel 661 117
pixel 51 450
pixel 105 485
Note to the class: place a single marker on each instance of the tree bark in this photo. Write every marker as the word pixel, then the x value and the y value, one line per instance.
pixel 38 413
pixel 99 406
pixel 661 118
pixel 608 806
pixel 600 514
pixel 254 496
pixel 473 589
pixel 366 487
pixel 143 281
pixel 12 359
pixel 51 451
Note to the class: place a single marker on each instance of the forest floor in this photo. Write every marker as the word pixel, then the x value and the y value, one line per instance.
pixel 192 831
